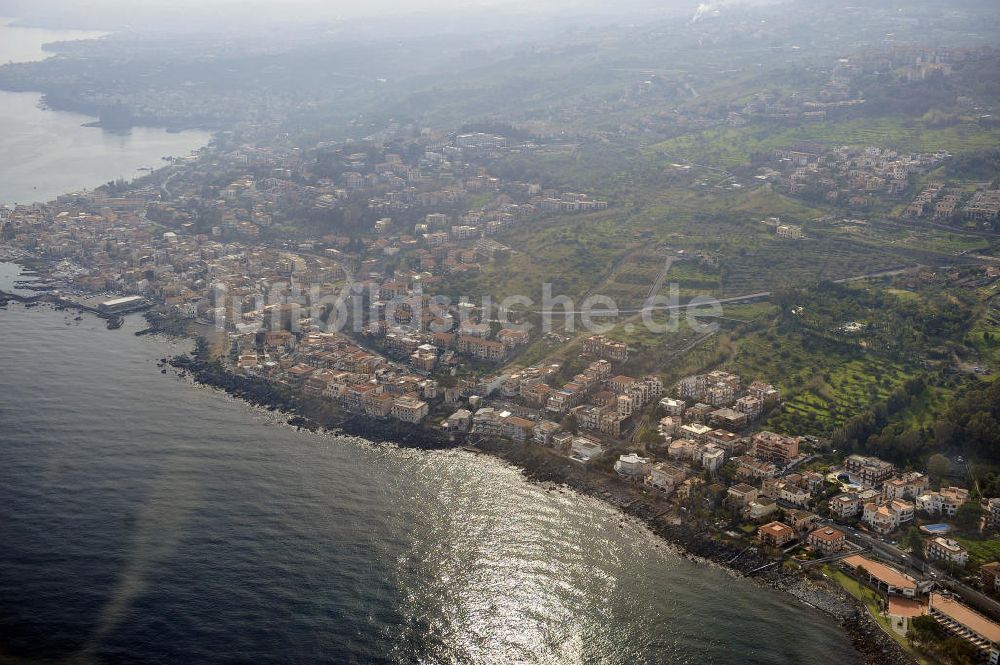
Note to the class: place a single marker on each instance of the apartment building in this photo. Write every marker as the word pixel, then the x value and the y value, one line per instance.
pixel 775 448
pixel 870 471
pixel 945 549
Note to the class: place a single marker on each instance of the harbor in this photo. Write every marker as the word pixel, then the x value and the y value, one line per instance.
pixel 111 309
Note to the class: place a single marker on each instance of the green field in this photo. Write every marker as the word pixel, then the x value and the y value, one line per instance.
pixel 728 147
pixel 771 262
pixel 821 385
pixel 981 551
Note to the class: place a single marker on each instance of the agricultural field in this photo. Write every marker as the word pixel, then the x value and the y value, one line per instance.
pixel 573 253
pixel 984 336
pixel 981 551
pixel 912 236
pixel 822 385
pixel 772 263
pixel 631 282
pixel 692 280
pixel 729 147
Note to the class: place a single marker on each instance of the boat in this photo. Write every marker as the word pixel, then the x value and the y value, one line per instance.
pixel 115 323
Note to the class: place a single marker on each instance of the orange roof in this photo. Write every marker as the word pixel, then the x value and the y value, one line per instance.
pixel 905 607
pixel 777 528
pixel 966 617
pixel 827 533
pixel 882 572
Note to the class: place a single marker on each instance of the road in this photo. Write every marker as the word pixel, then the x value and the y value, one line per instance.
pixel 917 568
pixel 662 277
pixel 163 188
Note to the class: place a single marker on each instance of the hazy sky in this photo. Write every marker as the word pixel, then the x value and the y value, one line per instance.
pixel 202 14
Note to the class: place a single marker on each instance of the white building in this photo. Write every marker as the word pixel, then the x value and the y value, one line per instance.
pixel 632 466
pixel 944 502
pixel 945 549
pixel 584 449
pixel 713 458
pixel 672 407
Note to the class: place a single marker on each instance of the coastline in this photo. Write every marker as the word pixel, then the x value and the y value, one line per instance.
pixel 541 465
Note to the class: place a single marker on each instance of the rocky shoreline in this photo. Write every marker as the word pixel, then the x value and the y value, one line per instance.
pixel 542 465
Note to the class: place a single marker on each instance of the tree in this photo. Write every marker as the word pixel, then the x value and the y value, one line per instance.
pixel 960 651
pixel 915 542
pixel 569 423
pixel 968 516
pixel 650 437
pixel 938 466
pixel 926 630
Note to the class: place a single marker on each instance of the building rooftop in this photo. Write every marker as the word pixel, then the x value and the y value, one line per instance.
pixel 827 533
pixel 777 528
pixel 882 572
pixel 966 616
pixel 905 607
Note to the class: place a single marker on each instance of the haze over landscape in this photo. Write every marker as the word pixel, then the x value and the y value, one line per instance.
pixel 500 331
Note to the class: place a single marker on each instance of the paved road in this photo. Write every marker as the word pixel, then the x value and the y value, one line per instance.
pixel 919 569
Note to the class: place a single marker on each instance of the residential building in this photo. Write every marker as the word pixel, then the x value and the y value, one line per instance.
pixel 584 449
pixel 668 425
pixel 869 471
pixel 750 468
pixel 488 421
pixel 802 521
pixel 946 501
pixel 775 534
pixel 460 421
pixel 544 431
pixel 604 347
pixel 946 549
pixel 409 409
pixel 989 573
pixel 827 540
pixel 681 449
pixel 776 448
pixel 665 476
pixel 728 418
pixel 712 458
pixel 760 508
pixel 793 494
pixel 695 431
pixel 845 506
pixel 993 511
pixel 672 407
pixel 726 440
pixel 517 428
pixel 789 231
pixel 562 441
pixel 907 486
pixel 888 516
pixel 632 466
pixel 741 494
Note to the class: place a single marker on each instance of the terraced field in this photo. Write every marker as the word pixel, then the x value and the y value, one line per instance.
pixel 773 263
pixel 822 386
pixel 728 147
pixel 822 405
pixel 631 283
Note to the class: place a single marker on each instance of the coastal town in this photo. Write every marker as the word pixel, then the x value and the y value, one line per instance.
pixel 430 277
pixel 697 445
